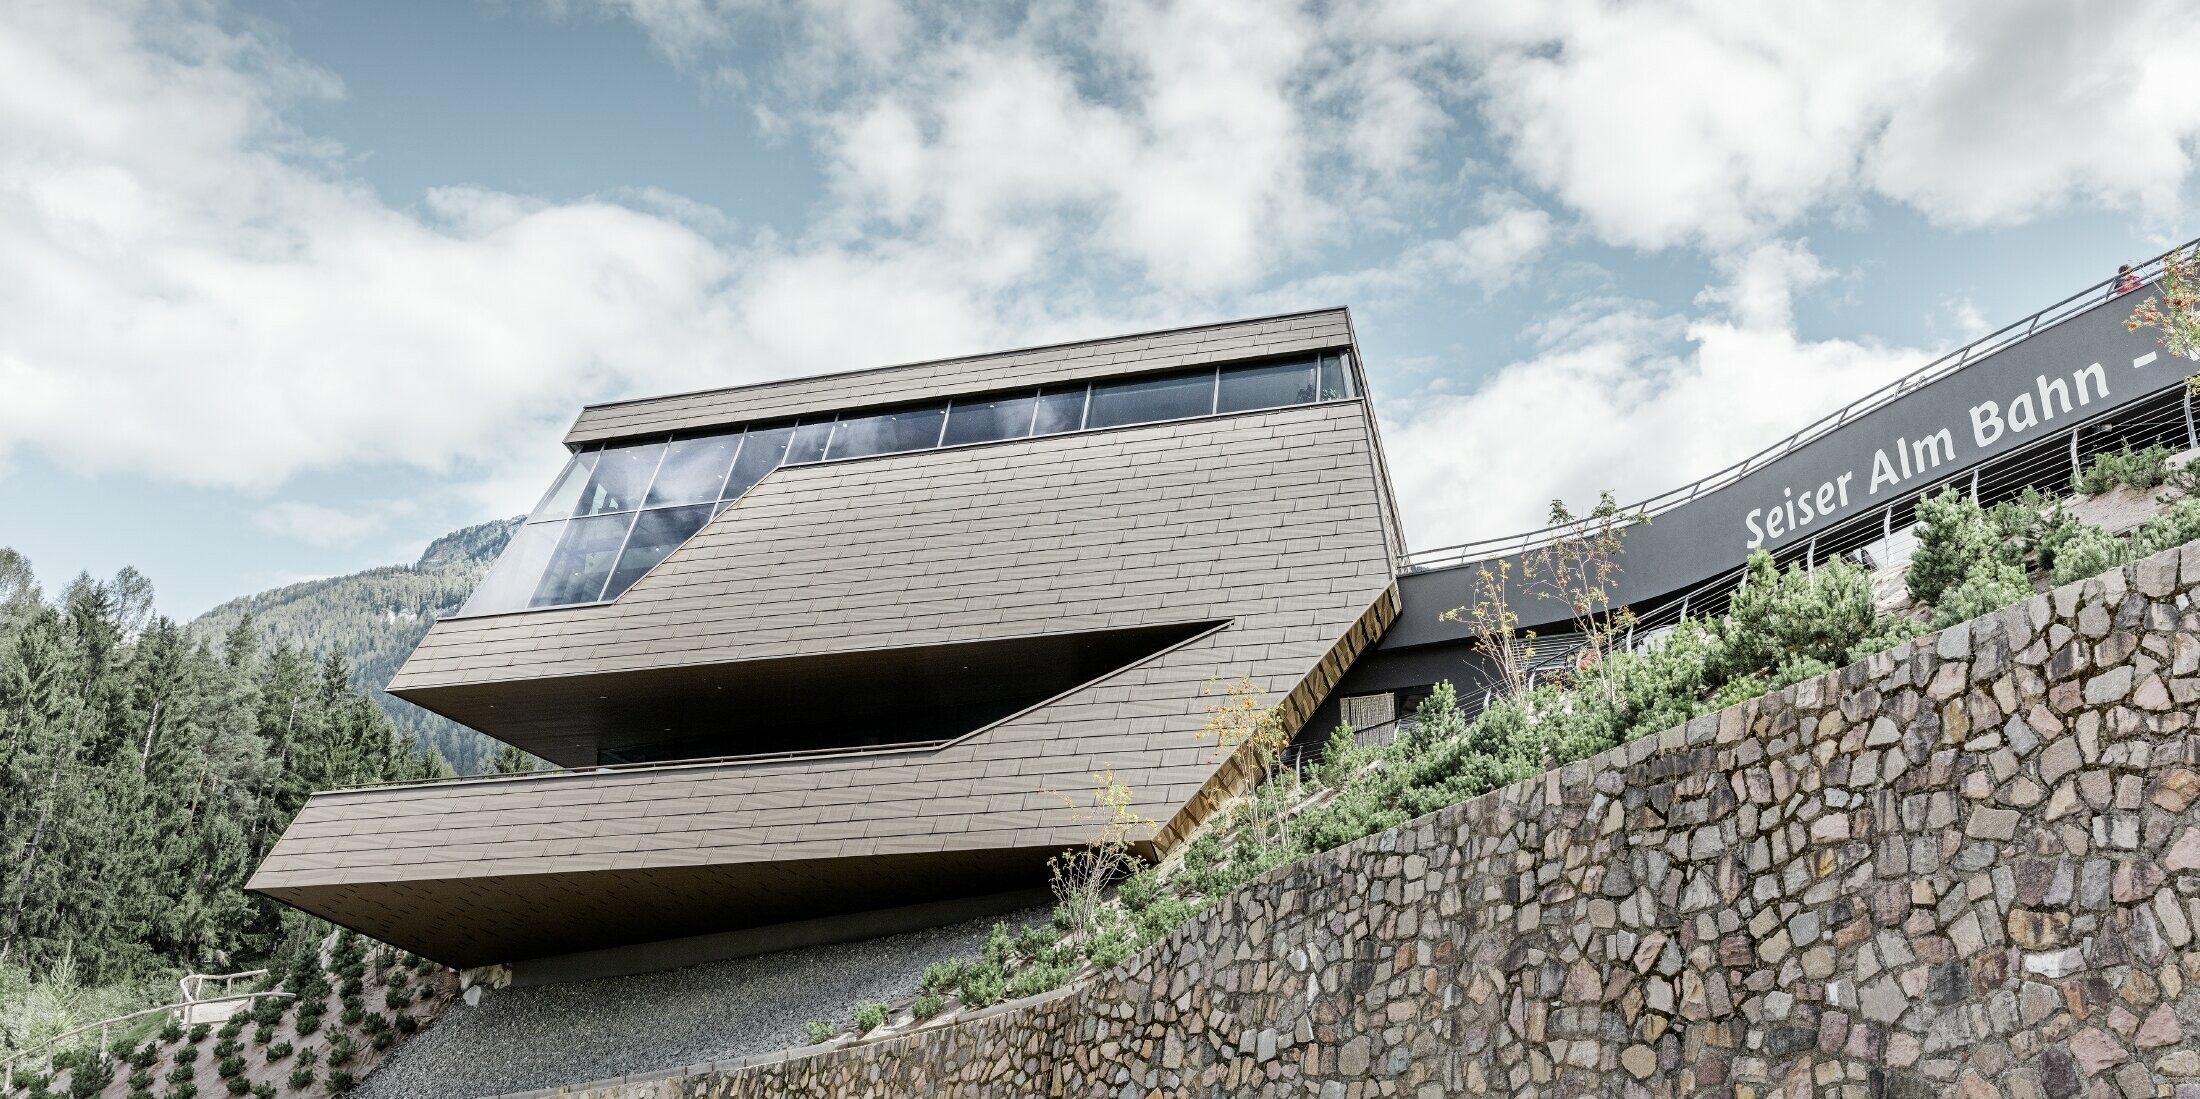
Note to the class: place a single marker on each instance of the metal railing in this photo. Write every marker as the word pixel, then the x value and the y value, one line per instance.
pixel 105 1027
pixel 2052 466
pixel 1507 545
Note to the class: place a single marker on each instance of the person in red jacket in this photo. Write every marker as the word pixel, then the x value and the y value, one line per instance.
pixel 2127 280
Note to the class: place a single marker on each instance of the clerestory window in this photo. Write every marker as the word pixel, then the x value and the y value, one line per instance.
pixel 619 508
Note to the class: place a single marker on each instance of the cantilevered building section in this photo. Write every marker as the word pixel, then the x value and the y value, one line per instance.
pixel 840 644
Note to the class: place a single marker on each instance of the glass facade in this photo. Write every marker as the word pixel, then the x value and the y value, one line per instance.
pixel 620 508
pixel 890 432
pixel 1271 386
pixel 694 470
pixel 1119 403
pixel 1060 410
pixel 986 421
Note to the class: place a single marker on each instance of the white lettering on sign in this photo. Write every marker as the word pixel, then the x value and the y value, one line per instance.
pixel 1988 422
pixel 1908 459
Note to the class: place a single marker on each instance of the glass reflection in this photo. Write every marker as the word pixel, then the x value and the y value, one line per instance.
pixel 1060 410
pixel 693 470
pixel 808 443
pixel 761 453
pixel 983 421
pixel 621 477
pixel 1271 386
pixel 656 534
pixel 1145 400
pixel 512 579
pixel 565 494
pixel 583 561
pixel 888 432
pixel 1336 383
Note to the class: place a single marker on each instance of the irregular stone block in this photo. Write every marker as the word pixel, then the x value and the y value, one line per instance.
pixel 1992 824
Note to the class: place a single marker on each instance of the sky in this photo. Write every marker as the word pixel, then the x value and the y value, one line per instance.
pixel 290 287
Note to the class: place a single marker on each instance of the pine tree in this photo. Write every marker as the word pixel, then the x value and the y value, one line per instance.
pixel 144 773
pixel 47 712
pixel 513 761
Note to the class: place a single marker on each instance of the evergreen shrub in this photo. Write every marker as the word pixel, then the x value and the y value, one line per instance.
pixel 302 1072
pixel 1954 536
pixel 2136 469
pixel 1991 585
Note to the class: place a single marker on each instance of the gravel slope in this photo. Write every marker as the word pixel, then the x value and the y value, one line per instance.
pixel 544 1036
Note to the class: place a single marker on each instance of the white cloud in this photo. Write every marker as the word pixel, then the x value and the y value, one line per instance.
pixel 2034 105
pixel 1192 148
pixel 1961 319
pixel 1704 123
pixel 1166 137
pixel 1676 123
pixel 1491 254
pixel 190 291
pixel 1208 145
pixel 1619 397
pixel 193 290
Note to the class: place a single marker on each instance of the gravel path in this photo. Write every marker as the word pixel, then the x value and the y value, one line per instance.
pixel 544 1036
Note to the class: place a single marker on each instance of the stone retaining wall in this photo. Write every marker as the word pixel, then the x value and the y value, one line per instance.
pixel 1970 865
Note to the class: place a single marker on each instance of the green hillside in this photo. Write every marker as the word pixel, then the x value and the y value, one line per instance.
pixel 374 618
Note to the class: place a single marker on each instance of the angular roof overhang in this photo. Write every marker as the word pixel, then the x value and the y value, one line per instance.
pixel 899 695
pixel 493 919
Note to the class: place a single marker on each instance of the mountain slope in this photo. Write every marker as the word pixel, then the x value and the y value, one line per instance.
pixel 374 618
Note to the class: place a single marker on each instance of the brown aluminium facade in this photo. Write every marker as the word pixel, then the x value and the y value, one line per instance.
pixel 888 679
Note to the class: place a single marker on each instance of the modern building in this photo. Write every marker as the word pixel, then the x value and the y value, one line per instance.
pixel 824 647
pixel 840 655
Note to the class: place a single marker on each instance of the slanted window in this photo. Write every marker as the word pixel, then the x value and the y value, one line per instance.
pixel 620 479
pixel 694 469
pixel 761 452
pixel 511 581
pixel 583 560
pixel 656 534
pixel 565 493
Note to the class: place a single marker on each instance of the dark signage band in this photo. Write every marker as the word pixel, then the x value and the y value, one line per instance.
pixel 2010 399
